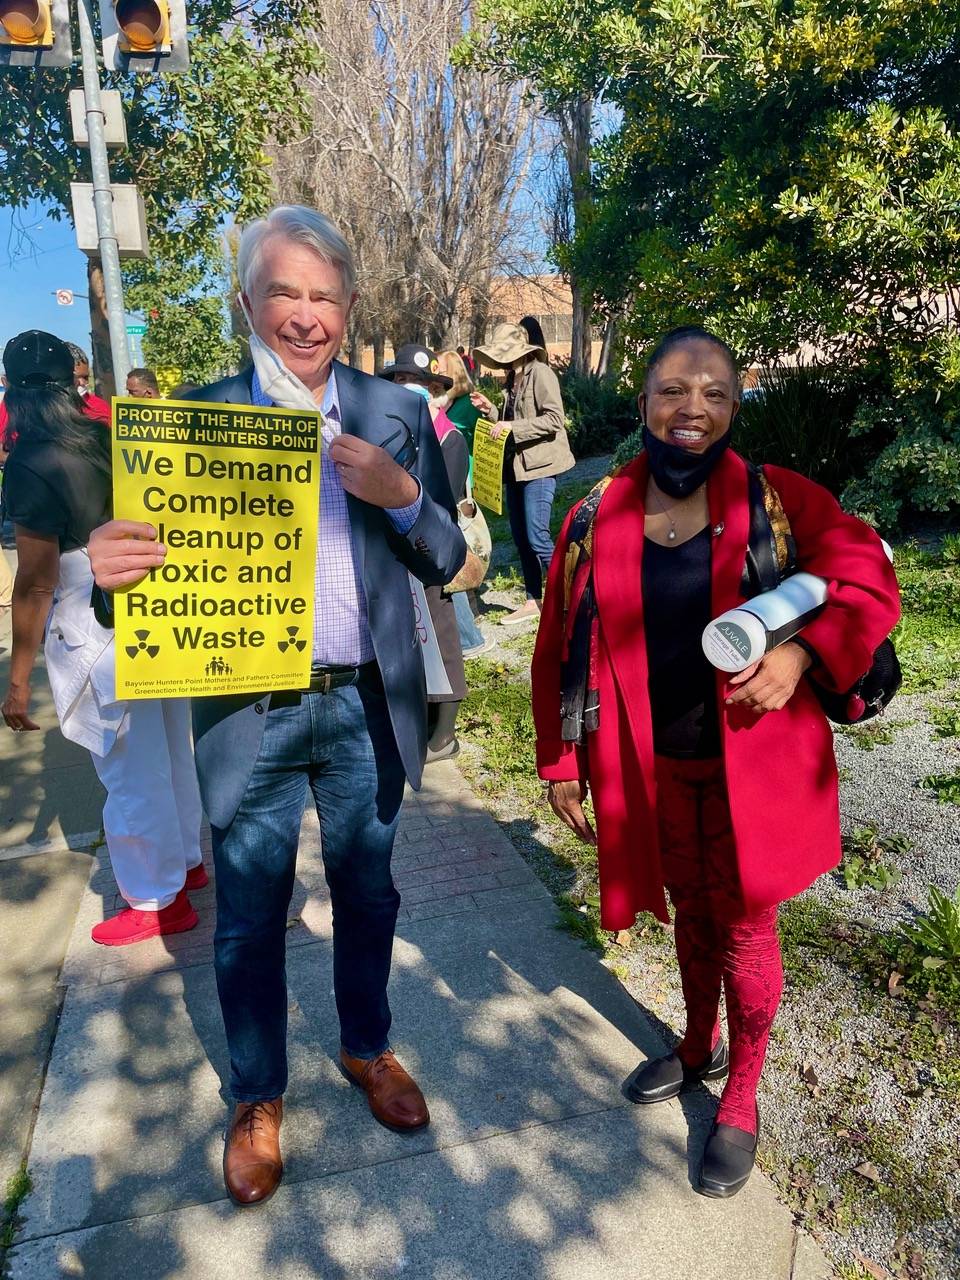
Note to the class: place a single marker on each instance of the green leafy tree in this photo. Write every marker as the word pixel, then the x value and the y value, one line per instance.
pixel 188 321
pixel 788 172
pixel 196 140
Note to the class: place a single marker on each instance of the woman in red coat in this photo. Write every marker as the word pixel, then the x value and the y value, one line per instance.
pixel 719 791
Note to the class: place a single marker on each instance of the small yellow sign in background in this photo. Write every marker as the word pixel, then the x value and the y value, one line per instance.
pixel 488 466
pixel 233 492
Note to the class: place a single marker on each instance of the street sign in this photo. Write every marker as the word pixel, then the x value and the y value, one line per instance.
pixel 136 330
pixel 64 297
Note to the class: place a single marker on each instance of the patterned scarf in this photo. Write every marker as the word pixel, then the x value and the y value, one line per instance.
pixel 579 691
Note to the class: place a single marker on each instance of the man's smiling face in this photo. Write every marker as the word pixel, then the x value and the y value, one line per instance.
pixel 298 307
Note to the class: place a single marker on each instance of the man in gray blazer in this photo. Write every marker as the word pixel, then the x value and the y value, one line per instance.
pixel 357 732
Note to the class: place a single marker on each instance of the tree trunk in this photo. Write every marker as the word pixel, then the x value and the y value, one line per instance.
pixel 377 343
pixel 100 331
pixel 606 350
pixel 580 344
pixel 576 123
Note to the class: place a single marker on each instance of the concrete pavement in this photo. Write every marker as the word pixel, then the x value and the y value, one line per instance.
pixel 535 1165
pixel 50 803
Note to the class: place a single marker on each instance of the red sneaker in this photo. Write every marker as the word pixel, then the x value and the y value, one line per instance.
pixel 197 877
pixel 134 926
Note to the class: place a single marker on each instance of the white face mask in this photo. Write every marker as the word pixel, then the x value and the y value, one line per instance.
pixel 418 389
pixel 276 381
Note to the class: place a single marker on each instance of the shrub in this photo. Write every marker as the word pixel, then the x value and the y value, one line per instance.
pixel 628 448
pixel 935 937
pixel 492 388
pixel 599 414
pixel 914 464
pixel 800 418
pixel 865 860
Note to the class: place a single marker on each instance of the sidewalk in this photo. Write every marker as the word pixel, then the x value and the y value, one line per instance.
pixel 50 803
pixel 534 1166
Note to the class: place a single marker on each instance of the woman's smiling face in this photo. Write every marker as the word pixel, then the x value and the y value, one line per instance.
pixel 691 396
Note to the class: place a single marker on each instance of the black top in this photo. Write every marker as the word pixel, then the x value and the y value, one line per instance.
pixel 52 490
pixel 676 608
pixel 456 459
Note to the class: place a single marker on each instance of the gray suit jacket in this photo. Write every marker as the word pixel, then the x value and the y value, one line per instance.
pixel 227 730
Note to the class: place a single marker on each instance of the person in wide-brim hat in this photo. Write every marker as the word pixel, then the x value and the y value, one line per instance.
pixel 413 362
pixel 508 345
pixel 537 452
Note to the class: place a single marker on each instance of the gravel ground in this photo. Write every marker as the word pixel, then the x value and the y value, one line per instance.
pixel 847 1085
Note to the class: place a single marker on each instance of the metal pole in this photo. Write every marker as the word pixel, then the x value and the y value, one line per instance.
pixel 103 199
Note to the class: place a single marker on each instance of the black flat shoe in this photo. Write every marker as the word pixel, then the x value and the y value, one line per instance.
pixel 664 1078
pixel 728 1160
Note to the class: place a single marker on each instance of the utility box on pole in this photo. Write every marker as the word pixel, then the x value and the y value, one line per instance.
pixel 114 123
pixel 129 220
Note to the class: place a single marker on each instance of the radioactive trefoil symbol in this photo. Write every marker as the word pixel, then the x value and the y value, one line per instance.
pixel 151 650
pixel 291 641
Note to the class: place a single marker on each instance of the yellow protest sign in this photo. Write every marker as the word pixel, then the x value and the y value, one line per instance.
pixel 233 492
pixel 488 466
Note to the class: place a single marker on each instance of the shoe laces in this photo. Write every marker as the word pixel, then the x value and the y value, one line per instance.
pixel 252 1120
pixel 385 1064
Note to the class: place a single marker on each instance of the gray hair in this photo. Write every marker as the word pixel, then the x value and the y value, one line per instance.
pixel 78 353
pixel 297 223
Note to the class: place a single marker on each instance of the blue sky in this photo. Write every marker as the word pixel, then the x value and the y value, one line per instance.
pixel 37 257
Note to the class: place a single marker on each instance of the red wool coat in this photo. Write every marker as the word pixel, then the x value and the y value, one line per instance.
pixel 780 767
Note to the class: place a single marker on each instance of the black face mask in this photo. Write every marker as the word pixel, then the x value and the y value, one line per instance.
pixel 678 472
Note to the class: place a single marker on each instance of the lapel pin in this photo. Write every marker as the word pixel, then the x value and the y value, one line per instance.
pixel 718 529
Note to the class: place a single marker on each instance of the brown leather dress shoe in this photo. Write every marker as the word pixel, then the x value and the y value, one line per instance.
pixel 394 1097
pixel 252 1165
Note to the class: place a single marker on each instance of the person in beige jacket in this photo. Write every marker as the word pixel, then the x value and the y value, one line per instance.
pixel 538 450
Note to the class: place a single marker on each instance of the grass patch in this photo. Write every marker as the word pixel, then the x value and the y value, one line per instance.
pixel 497 718
pixel 927 637
pixel 945 786
pixel 945 720
pixel 17 1190
pixel 865 862
pixel 878 732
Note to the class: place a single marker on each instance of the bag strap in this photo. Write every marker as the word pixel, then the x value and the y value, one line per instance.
pixel 771 547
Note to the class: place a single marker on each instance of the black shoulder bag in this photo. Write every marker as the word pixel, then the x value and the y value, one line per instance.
pixel 771 557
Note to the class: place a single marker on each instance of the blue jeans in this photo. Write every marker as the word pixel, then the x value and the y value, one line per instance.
pixel 470 633
pixel 341 745
pixel 529 503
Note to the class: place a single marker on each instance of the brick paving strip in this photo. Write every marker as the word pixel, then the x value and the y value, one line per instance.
pixel 534 1165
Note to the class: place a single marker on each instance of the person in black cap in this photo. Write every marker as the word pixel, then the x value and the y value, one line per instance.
pixel 57 489
pixel 416 368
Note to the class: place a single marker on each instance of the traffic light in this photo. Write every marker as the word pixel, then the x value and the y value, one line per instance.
pixel 143 25
pixel 35 33
pixel 144 35
pixel 26 24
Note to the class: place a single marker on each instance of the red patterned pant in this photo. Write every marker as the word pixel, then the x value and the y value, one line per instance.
pixel 717 943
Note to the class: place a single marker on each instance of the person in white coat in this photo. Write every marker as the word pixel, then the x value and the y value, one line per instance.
pixel 57 490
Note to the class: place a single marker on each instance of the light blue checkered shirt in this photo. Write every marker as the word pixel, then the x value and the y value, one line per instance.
pixel 341 631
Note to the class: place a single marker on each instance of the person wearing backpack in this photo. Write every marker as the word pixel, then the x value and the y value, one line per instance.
pixel 718 792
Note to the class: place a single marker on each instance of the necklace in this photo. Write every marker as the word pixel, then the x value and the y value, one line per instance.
pixel 672 531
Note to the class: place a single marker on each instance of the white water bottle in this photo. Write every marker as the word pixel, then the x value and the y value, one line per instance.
pixel 743 635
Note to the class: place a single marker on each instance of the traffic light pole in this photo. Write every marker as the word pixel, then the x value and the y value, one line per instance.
pixel 103 199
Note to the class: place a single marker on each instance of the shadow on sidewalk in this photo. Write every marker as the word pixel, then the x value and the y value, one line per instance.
pixel 519 1037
